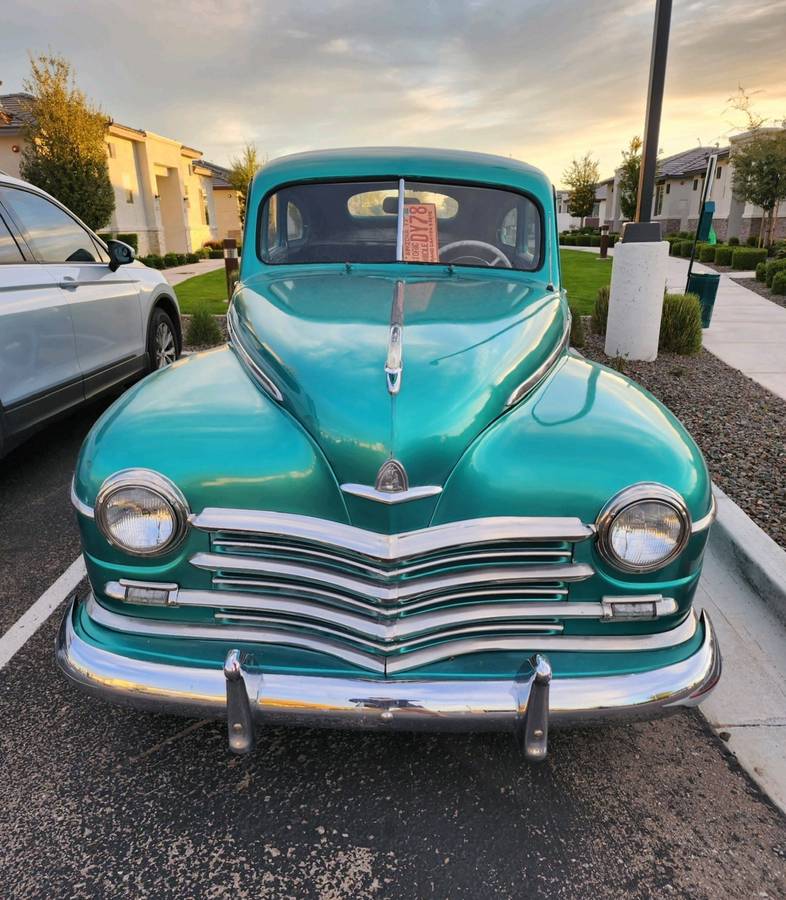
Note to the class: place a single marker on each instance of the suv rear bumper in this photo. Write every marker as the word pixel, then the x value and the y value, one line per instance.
pixel 416 705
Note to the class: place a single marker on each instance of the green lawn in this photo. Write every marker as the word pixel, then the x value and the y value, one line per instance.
pixel 582 275
pixel 208 290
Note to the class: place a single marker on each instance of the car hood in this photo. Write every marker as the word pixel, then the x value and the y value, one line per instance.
pixel 467 343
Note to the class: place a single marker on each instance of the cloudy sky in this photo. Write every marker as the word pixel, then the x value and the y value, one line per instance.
pixel 540 81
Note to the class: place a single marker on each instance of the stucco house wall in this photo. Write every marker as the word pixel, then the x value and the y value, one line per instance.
pixel 163 190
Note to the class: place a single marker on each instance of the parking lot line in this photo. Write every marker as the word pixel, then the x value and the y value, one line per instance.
pixel 26 626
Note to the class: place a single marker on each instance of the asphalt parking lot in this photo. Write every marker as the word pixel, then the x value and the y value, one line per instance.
pixel 105 802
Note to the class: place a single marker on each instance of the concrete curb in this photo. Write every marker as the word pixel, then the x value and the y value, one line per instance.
pixel 756 555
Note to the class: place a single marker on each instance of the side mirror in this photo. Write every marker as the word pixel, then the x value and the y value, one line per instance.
pixel 120 254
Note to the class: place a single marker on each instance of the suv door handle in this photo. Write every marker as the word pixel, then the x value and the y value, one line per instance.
pixel 69 283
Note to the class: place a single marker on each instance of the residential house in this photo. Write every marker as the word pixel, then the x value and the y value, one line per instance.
pixel 678 190
pixel 163 189
pixel 226 204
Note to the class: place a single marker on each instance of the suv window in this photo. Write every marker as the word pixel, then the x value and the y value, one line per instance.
pixel 53 234
pixel 9 252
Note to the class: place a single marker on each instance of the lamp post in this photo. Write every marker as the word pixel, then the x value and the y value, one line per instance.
pixel 638 276
pixel 649 151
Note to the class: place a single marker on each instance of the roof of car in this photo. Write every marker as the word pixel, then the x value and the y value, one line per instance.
pixel 365 163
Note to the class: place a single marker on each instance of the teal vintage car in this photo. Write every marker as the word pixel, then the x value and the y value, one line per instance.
pixel 396 498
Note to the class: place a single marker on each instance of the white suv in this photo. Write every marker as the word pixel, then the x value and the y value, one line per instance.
pixel 78 316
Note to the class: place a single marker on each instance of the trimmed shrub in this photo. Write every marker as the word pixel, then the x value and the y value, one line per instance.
pixel 216 254
pixel 154 261
pixel 675 245
pixel 582 240
pixel 192 258
pixel 613 238
pixel 772 267
pixel 723 255
pixel 569 240
pixel 680 324
pixel 594 240
pixel 761 272
pixel 600 312
pixel 733 242
pixel 202 330
pixel 747 258
pixel 779 282
pixel 686 247
pixel 707 253
pixel 752 241
pixel 576 328
pixel 213 245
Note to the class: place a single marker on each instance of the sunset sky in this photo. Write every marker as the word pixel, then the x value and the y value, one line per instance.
pixel 540 81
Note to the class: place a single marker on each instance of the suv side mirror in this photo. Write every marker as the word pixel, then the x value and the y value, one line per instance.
pixel 120 254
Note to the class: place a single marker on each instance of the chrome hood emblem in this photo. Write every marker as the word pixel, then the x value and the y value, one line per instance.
pixel 392 477
pixel 391 486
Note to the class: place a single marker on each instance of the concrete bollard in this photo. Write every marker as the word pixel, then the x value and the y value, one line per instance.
pixel 231 265
pixel 638 281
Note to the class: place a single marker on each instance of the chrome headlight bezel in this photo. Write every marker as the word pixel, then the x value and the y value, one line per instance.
pixel 155 483
pixel 641 493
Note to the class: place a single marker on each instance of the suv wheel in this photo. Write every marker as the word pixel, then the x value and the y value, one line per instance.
pixel 162 341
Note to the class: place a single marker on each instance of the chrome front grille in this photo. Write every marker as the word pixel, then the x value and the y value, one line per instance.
pixel 391 601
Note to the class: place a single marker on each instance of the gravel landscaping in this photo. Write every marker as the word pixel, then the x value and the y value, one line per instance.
pixel 762 290
pixel 739 425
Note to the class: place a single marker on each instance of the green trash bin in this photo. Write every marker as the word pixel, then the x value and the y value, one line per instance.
pixel 706 287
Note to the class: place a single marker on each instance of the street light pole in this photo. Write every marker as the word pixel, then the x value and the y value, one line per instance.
pixel 649 153
pixel 638 277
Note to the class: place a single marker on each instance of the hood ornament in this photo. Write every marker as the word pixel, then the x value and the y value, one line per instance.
pixel 392 477
pixel 393 363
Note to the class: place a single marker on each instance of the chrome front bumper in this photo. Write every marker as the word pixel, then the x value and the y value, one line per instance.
pixel 415 705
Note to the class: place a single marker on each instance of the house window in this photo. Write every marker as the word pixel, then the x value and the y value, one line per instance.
pixel 205 210
pixel 110 148
pixel 718 172
pixel 668 187
pixel 695 183
pixel 127 189
pixel 658 199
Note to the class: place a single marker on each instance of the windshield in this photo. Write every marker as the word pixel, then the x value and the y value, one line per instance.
pixel 389 221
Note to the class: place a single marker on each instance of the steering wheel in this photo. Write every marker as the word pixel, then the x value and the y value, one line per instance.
pixel 497 254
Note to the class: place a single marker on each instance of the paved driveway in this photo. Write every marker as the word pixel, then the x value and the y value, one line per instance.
pixel 99 801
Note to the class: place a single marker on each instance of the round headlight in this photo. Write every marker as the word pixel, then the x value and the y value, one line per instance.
pixel 643 528
pixel 141 512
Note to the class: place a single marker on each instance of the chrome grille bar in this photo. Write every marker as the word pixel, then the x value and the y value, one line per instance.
pixel 214 562
pixel 399 662
pixel 453 559
pixel 389 547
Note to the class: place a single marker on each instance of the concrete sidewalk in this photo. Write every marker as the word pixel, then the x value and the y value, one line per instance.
pixel 747 332
pixel 748 708
pixel 180 273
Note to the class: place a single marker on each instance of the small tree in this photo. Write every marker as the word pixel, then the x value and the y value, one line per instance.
pixel 242 170
pixel 65 150
pixel 759 165
pixel 629 179
pixel 581 177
